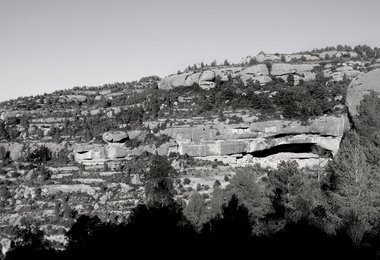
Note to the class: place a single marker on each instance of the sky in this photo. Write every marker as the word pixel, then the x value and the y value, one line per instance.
pixel 47 45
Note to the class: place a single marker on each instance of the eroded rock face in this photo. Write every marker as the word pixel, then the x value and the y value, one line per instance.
pixel 361 86
pixel 15 150
pixel 343 70
pixel 115 137
pixel 263 140
pixel 279 69
pixel 206 78
pixel 72 188
pixel 116 151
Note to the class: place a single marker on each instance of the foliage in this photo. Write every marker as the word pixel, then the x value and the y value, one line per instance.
pixel 40 155
pixel 30 243
pixel 231 226
pixel 159 181
pixel 196 211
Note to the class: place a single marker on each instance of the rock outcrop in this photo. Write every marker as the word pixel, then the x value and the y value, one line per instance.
pixel 254 141
pixel 348 70
pixel 337 54
pixel 361 86
pixel 73 188
pixel 115 137
pixel 261 139
pixel 15 150
pixel 206 78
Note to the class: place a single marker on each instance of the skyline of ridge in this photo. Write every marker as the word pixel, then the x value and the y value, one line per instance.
pixel 52 45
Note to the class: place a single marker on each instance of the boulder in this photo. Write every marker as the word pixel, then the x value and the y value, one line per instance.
pixel 15 150
pixel 83 156
pixel 207 75
pixel 192 79
pixel 136 180
pixel 285 68
pixel 262 79
pixel 206 79
pixel 115 137
pixel 360 86
pixel 65 188
pixel 31 175
pixel 95 112
pixel 98 153
pixel 137 134
pixel 173 81
pixel 165 148
pixel 117 151
pixel 88 152
pixel 256 70
pixel 5 245
pixel 261 57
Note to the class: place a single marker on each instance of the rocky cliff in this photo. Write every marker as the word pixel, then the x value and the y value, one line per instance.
pixel 261 73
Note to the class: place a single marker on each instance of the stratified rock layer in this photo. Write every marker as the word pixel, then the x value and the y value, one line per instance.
pixel 236 144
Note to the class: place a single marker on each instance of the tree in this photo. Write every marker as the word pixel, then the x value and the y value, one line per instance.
pixel 3 153
pixel 355 188
pixel 196 211
pixel 159 225
pixel 290 80
pixel 43 173
pixel 30 243
pixel 245 187
pixel 232 226
pixel 40 155
pixel 159 186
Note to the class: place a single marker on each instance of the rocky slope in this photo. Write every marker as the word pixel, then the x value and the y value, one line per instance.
pixel 101 138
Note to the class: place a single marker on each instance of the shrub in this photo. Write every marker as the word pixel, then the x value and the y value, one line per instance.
pixel 186 181
pixel 217 183
pixel 40 155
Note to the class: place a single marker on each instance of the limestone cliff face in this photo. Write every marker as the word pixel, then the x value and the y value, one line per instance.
pixel 249 139
pixel 266 142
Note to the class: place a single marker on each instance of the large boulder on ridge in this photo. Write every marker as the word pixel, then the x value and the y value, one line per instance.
pixel 115 137
pixel 361 86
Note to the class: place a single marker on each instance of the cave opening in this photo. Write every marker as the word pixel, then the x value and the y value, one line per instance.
pixel 294 148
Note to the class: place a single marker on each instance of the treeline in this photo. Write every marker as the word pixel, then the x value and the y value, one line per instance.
pixel 163 231
pixel 363 51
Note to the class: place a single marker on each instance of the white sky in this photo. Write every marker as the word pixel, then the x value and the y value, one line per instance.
pixel 46 45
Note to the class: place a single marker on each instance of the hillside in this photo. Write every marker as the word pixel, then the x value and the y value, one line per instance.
pixel 96 150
